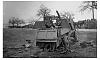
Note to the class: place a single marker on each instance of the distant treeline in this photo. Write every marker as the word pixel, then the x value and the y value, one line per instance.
pixel 25 26
pixel 86 24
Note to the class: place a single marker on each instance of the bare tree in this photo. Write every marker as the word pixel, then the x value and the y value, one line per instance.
pixel 91 5
pixel 21 22
pixel 67 15
pixel 15 21
pixel 12 21
pixel 43 11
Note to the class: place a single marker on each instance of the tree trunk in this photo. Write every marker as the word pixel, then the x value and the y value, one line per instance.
pixel 13 25
pixel 17 24
pixel 92 10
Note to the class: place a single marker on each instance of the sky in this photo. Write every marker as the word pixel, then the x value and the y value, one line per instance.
pixel 28 10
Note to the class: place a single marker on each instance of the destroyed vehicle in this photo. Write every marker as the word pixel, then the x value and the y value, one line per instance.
pixel 63 34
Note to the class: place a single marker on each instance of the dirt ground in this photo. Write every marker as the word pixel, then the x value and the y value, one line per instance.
pixel 35 52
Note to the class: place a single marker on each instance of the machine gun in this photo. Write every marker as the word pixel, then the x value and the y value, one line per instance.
pixel 59 19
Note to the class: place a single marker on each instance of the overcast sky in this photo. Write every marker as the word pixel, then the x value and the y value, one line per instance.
pixel 28 10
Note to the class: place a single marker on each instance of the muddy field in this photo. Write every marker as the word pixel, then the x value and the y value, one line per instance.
pixel 13 38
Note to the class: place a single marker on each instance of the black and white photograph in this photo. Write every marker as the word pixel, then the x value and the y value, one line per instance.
pixel 49 29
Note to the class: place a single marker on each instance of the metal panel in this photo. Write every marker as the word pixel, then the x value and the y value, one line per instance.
pixel 64 30
pixel 46 40
pixel 41 34
pixel 52 34
pixel 47 34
